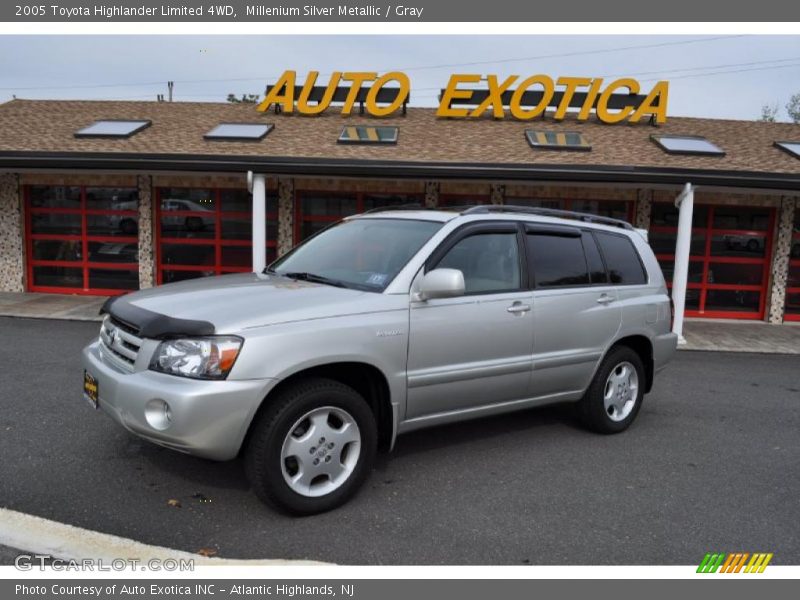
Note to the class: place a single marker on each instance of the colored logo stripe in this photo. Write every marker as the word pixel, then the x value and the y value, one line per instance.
pixel 734 562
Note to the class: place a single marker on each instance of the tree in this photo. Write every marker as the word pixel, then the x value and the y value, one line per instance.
pixel 769 112
pixel 793 108
pixel 245 99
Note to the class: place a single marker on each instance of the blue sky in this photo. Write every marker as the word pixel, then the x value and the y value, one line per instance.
pixel 719 76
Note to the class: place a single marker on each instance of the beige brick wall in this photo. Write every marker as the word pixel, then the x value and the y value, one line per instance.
pixel 780 259
pixel 497 193
pixel 12 254
pixel 431 194
pixel 644 207
pixel 285 215
pixel 147 249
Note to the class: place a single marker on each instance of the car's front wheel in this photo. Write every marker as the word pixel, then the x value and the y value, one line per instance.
pixel 615 395
pixel 312 448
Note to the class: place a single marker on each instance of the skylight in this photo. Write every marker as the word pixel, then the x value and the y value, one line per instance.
pixel 557 140
pixel 239 131
pixel 113 128
pixel 792 148
pixel 687 144
pixel 368 134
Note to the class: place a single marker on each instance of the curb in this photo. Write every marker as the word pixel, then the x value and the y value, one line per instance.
pixel 43 536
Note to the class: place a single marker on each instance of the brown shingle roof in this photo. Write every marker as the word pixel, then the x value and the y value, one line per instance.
pixel 178 128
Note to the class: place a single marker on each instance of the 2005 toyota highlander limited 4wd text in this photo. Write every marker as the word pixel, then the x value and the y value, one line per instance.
pixel 384 323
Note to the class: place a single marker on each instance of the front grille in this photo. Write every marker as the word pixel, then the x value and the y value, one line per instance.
pixel 119 343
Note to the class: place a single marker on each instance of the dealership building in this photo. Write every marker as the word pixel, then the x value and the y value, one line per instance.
pixel 104 197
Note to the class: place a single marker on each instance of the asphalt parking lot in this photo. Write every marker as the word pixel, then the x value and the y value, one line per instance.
pixel 712 464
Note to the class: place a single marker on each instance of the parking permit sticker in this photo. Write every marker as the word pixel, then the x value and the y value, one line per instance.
pixel 376 279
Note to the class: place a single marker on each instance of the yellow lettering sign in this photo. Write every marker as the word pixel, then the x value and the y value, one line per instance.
pixel 372 103
pixel 583 95
pixel 282 94
pixel 451 92
pixel 548 90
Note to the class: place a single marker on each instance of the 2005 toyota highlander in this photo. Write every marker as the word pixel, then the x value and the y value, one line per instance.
pixel 381 324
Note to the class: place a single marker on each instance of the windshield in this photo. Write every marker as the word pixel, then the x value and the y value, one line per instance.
pixel 362 253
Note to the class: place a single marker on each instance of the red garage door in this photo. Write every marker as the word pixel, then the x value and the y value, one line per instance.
pixel 208 231
pixel 729 257
pixel 81 240
pixel 793 281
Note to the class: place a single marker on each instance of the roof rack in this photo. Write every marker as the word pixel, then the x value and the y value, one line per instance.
pixel 547 212
pixel 411 206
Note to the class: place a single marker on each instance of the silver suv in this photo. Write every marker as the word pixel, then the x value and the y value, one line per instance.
pixel 381 324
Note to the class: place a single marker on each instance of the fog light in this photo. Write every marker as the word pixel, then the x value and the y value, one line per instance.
pixel 158 414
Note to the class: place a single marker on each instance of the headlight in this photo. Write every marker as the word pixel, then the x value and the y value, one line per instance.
pixel 199 358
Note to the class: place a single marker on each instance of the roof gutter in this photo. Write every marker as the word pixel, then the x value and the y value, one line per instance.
pixel 398 169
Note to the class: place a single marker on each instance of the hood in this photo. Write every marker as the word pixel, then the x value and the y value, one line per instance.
pixel 230 303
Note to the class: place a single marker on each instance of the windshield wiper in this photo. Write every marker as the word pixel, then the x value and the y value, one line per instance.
pixel 314 278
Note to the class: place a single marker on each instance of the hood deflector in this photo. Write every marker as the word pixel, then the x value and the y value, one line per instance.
pixel 149 324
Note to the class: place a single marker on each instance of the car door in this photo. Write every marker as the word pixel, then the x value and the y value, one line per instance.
pixel 475 349
pixel 576 312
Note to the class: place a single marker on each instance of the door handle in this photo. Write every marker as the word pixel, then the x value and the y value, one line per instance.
pixel 518 308
pixel 605 299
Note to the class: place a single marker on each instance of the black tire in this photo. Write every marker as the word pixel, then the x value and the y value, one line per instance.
pixel 270 430
pixel 591 407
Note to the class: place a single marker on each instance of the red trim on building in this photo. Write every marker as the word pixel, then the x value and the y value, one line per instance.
pixel 794 263
pixel 707 259
pixel 216 242
pixel 84 239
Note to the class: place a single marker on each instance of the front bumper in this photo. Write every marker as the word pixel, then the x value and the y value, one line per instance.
pixel 208 418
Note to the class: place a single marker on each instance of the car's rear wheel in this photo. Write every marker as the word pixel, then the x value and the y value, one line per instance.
pixel 312 448
pixel 615 395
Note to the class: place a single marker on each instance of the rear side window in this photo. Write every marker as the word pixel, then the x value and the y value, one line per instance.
pixel 622 260
pixel 597 270
pixel 557 260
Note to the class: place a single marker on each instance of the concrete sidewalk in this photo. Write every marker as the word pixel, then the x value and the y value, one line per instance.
pixel 700 334
pixel 51 306
pixel 741 336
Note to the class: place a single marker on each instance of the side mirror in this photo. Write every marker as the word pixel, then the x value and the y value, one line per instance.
pixel 441 283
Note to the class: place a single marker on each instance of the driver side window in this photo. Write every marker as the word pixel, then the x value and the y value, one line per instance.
pixel 489 262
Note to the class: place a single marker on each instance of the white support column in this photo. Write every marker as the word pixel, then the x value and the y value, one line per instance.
pixel 685 202
pixel 258 187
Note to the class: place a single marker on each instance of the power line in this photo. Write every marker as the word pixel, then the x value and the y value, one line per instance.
pixel 577 53
pixel 707 74
pixel 713 73
pixel 411 68
pixel 416 93
pixel 682 70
